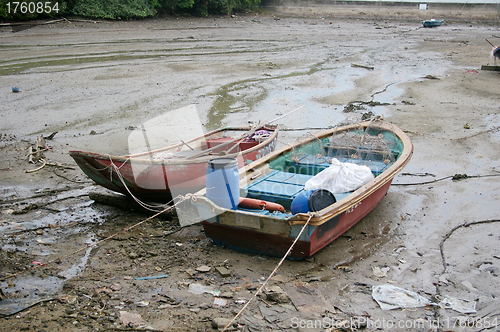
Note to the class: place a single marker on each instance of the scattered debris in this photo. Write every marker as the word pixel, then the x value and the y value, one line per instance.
pixel 361 66
pixel 12 306
pixel 35 154
pixel 406 102
pixel 353 106
pixel 152 277
pixel 203 269
pixel 220 302
pixel 310 300
pixel 380 272
pixel 431 77
pixel 460 176
pixel 276 294
pixel 367 116
pixel 278 278
pixel 390 297
pixel 130 319
pixel 220 323
pixel 198 289
pixel 116 287
pixel 224 273
pixel 357 105
pixel 462 306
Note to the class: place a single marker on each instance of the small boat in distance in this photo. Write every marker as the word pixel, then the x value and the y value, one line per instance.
pixel 432 23
pixel 495 52
pixel 179 168
pixel 281 178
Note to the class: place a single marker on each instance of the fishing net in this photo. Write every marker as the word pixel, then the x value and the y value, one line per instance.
pixel 370 144
pixel 375 146
pixel 317 148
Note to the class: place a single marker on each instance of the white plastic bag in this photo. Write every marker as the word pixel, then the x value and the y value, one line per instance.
pixel 340 177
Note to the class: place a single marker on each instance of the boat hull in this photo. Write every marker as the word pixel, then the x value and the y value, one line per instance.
pixel 156 180
pixel 316 238
pixel 273 233
pixel 432 23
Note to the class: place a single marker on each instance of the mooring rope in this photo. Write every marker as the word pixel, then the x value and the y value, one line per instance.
pixel 455 177
pixel 270 276
pixel 149 207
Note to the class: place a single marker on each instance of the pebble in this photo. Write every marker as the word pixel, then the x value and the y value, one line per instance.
pixel 220 323
pixel 223 271
pixel 203 269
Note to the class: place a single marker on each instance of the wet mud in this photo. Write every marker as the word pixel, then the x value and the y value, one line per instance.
pixel 93 83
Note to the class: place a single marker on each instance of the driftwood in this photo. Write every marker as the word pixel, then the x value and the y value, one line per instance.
pixel 362 66
pixel 493 68
pixel 124 202
pixel 35 154
pixel 38 168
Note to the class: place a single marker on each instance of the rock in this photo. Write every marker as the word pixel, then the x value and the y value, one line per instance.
pixel 131 319
pixel 220 323
pixel 191 272
pixel 205 306
pixel 278 278
pixel 203 269
pixel 223 271
pixel 226 295
pixel 378 272
pixel 116 287
pixel 276 294
pixel 133 255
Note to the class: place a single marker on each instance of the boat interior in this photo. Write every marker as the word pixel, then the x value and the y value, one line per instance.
pixel 283 178
pixel 219 144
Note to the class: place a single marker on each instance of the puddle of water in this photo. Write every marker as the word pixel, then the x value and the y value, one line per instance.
pixel 76 213
pixel 78 268
pixel 25 285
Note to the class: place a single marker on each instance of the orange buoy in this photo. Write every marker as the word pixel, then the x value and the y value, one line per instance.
pixel 251 203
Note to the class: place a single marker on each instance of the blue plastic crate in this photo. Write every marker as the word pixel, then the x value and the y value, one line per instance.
pixel 278 187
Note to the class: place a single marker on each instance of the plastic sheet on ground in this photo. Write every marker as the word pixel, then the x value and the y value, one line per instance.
pixel 12 306
pixel 462 306
pixel 390 297
pixel 309 300
pixel 198 289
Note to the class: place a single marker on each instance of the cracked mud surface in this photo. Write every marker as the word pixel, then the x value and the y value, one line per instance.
pixel 92 82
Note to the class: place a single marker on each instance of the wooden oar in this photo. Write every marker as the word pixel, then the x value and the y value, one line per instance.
pixel 260 125
pixel 276 119
pixel 489 42
pixel 248 133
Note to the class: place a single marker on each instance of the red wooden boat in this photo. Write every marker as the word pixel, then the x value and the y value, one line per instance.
pixel 280 178
pixel 177 169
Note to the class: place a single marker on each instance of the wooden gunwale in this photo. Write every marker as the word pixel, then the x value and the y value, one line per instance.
pixel 184 161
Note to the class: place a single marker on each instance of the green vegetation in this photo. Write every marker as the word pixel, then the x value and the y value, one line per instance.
pixel 22 10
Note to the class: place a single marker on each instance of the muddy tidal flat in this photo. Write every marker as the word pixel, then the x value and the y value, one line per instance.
pixel 84 85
